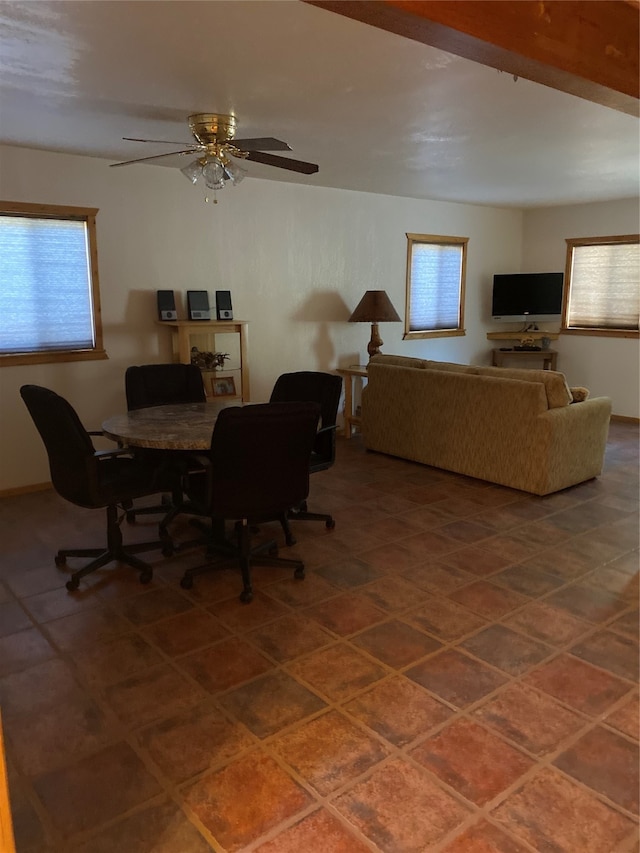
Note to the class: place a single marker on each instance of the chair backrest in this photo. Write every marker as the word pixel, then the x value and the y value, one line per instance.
pixel 318 387
pixel 260 458
pixel 69 447
pixel 163 384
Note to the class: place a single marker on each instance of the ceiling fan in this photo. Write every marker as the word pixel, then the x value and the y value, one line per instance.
pixel 215 145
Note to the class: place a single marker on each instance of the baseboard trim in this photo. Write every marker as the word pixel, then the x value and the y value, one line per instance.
pixel 624 419
pixel 25 490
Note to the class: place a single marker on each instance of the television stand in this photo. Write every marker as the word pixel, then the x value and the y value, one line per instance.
pixel 549 356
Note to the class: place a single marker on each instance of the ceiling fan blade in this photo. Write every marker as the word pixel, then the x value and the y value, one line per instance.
pixel 162 141
pixel 262 143
pixel 283 162
pixel 157 157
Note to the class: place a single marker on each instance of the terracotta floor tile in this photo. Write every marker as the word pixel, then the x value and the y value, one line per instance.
pixel 505 649
pixel 484 837
pixel 552 813
pixel 564 561
pixel 399 808
pixel 185 632
pixel 225 664
pixel 610 651
pixel 527 580
pixel 272 797
pixel 585 602
pixel 509 546
pixel 456 678
pixel 477 764
pixel 96 789
pixel 548 624
pixel 337 672
pixel 466 531
pixel 289 637
pixel 194 741
pixel 47 685
pixel 396 643
pixel 530 719
pixel 487 599
pixel 626 718
pixel 86 628
pixel 23 649
pixel 444 619
pixel 436 577
pixel 162 828
pixel 271 703
pixel 628 623
pixel 607 763
pixel 352 572
pixel 389 530
pixel 398 710
pixel 346 613
pixel 329 751
pixel 32 581
pixel 392 592
pixel 318 828
pixel 301 593
pixel 617 583
pixel 236 615
pixel 156 604
pixel 150 695
pixel 578 684
pixel 13 618
pixel 116 659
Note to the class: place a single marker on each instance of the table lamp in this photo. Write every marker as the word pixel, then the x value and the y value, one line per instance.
pixel 374 307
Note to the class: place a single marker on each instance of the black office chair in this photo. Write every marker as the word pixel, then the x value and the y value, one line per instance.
pixel 325 389
pixel 259 467
pixel 160 385
pixel 95 479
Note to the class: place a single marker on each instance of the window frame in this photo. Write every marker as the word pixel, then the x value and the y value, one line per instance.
pixel 63 212
pixel 439 240
pixel 572 243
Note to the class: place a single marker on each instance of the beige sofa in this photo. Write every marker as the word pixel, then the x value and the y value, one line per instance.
pixel 515 427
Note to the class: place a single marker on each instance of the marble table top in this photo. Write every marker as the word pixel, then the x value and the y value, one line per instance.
pixel 182 426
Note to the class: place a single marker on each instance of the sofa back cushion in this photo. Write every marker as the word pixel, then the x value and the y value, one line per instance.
pixel 398 360
pixel 555 385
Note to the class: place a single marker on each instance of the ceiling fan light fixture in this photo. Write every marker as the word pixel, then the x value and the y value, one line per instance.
pixel 234 172
pixel 213 174
pixel 192 171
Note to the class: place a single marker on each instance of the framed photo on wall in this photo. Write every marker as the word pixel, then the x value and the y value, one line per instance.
pixel 223 386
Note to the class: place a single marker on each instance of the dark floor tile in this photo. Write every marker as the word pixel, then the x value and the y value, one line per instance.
pixel 93 625
pixel 607 763
pixel 329 751
pixel 628 623
pixel 274 797
pixel 225 664
pixel 473 761
pixel 487 599
pixel 396 643
pixel 154 605
pixel 610 651
pixel 338 671
pixel 318 830
pixel 578 684
pixel 151 695
pixel 548 624
pixel 585 602
pixel 394 593
pixel 353 572
pixel 186 632
pixel 346 613
pixel 116 659
pixel 528 718
pixel 23 649
pixel 289 637
pixel 399 808
pixel 271 703
pixel 96 789
pixel 527 581
pixel 436 577
pixel 550 812
pixel 13 618
pixel 445 619
pixel 514 653
pixel 456 678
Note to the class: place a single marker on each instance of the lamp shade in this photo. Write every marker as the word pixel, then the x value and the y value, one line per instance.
pixel 374 307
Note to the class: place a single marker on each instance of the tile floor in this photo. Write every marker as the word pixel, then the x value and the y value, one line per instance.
pixel 457 673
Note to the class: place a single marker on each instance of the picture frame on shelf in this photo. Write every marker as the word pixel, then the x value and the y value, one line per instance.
pixel 223 386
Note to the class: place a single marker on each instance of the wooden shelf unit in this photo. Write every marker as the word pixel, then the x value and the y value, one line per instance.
pixel 202 333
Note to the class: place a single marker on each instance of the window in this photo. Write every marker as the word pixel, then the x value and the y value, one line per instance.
pixel 602 294
pixel 435 286
pixel 49 295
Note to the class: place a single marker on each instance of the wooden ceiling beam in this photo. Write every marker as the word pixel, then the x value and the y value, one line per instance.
pixel 588 48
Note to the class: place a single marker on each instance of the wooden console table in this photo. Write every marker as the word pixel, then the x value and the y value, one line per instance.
pixel 549 356
pixel 350 418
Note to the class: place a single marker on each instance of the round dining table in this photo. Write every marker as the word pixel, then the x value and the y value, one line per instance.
pixel 178 426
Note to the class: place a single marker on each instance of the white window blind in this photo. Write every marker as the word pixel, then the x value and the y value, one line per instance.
pixel 604 285
pixel 435 284
pixel 46 300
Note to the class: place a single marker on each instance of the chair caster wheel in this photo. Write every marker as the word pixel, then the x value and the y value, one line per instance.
pixel 330 524
pixel 246 596
pixel 299 573
pixel 186 582
pixel 60 560
pixel 290 540
pixel 146 577
pixel 131 517
pixel 73 584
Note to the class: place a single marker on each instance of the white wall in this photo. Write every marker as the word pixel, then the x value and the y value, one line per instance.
pixel 607 366
pixel 296 259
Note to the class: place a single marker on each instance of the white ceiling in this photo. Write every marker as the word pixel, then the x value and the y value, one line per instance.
pixel 377 112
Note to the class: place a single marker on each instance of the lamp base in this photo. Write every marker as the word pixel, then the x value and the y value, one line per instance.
pixel 373 347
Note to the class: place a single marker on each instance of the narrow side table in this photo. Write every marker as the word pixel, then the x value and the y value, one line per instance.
pixel 350 418
pixel 549 356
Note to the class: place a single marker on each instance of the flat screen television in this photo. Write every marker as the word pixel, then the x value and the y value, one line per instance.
pixel 527 297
